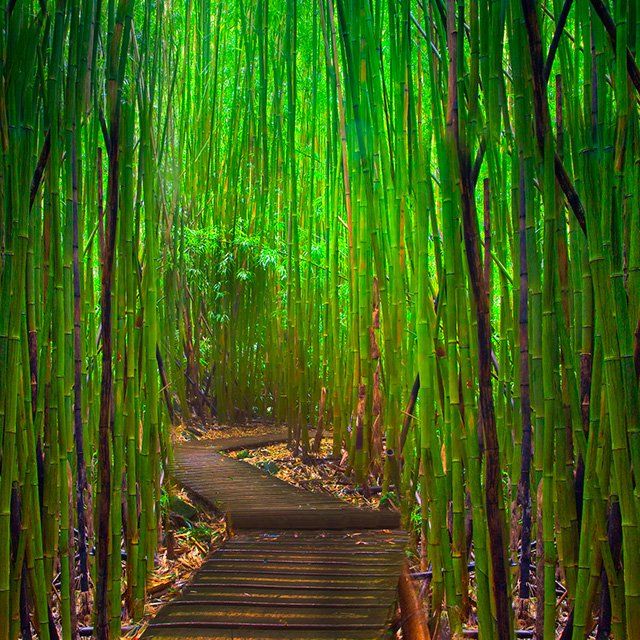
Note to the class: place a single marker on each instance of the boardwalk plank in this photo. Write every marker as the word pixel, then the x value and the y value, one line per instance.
pixel 300 565
pixel 255 440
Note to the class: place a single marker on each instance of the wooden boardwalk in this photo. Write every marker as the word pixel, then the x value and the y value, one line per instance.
pixel 299 566
pixel 264 438
pixel 253 499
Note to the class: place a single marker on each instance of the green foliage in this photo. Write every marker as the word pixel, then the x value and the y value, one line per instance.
pixel 339 195
pixel 389 498
pixel 199 531
pixel 269 466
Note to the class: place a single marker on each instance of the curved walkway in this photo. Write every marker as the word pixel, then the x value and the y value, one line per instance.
pixel 300 565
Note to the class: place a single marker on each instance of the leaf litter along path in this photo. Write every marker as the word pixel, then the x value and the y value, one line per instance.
pixel 300 565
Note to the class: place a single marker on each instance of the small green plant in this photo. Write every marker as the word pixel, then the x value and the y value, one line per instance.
pixel 389 498
pixel 199 531
pixel 269 466
pixel 416 518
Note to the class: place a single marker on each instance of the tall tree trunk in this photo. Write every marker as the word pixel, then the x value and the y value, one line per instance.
pixel 500 582
pixel 524 485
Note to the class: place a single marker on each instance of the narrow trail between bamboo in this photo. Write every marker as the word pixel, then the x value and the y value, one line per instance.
pixel 297 564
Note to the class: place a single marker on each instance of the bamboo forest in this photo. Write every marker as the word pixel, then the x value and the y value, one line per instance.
pixel 320 319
